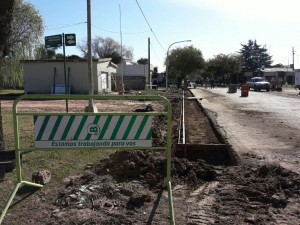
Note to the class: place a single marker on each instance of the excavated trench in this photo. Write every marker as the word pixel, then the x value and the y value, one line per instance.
pixel 199 136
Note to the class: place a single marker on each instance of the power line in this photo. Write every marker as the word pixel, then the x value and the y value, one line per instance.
pixel 60 26
pixel 149 25
pixel 117 32
pixel 155 53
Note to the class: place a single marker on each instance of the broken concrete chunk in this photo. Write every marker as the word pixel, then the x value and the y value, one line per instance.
pixel 41 177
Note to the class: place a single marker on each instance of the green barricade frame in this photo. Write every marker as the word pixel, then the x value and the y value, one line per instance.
pixel 18 150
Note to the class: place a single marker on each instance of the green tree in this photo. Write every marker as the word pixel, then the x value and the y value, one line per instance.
pixel 59 56
pixel 41 52
pixel 143 61
pixel 224 67
pixel 254 56
pixel 183 62
pixel 26 30
pixel 25 34
pixel 6 11
pixel 107 48
pixel 73 57
pixel 278 65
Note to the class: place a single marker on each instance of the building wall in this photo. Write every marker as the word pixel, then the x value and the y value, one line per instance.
pixel 282 75
pixel 104 68
pixel 132 83
pixel 297 78
pixel 79 80
pixel 39 76
pixel 135 76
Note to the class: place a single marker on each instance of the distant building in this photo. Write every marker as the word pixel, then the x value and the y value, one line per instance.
pixel 48 77
pixel 297 78
pixel 276 74
pixel 281 74
pixel 135 76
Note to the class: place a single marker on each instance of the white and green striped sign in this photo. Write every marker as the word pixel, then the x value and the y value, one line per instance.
pixel 99 131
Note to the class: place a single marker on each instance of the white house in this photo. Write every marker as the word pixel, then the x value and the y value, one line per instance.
pixel 281 74
pixel 47 76
pixel 297 78
pixel 274 74
pixel 135 76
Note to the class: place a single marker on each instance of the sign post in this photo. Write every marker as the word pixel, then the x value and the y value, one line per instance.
pixel 70 39
pixel 56 41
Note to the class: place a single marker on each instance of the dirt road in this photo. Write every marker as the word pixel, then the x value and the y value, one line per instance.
pixel 264 124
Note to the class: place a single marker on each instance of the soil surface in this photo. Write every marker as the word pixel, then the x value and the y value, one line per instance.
pixel 126 188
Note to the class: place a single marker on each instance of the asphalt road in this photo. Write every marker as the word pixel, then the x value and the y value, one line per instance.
pixel 265 124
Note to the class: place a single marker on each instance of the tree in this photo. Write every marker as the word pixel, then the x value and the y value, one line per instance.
pixel 41 52
pixel 6 10
pixel 6 7
pixel 224 67
pixel 254 56
pixel 107 48
pixel 183 62
pixel 278 65
pixel 73 57
pixel 27 29
pixel 143 61
pixel 59 56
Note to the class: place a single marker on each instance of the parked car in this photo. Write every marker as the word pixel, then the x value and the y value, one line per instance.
pixel 259 83
pixel 192 85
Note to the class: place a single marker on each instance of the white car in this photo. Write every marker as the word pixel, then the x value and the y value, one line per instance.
pixel 258 83
pixel 192 85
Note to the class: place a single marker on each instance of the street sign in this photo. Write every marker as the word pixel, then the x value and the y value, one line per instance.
pixel 53 41
pixel 70 39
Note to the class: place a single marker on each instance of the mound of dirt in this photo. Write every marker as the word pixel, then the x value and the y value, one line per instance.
pixel 150 167
pixel 127 188
pixel 124 184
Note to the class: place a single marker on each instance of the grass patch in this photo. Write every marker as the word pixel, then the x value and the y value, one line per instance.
pixel 12 92
pixel 61 163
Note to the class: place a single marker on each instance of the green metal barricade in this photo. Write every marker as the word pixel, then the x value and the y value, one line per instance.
pixel 53 131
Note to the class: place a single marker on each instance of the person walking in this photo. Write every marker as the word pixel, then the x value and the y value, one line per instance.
pixel 212 84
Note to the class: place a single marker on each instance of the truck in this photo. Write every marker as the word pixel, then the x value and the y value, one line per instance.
pixel 259 83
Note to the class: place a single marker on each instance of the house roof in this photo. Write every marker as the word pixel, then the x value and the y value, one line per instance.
pixel 102 60
pixel 276 69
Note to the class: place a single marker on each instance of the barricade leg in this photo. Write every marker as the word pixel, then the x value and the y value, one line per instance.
pixel 171 208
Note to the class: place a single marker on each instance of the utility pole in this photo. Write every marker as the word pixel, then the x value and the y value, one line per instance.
pixel 149 69
pixel 90 107
pixel 293 53
pixel 122 61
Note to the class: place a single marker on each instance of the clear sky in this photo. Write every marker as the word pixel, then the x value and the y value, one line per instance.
pixel 214 26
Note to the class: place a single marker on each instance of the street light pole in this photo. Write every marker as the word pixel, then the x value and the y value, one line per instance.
pixel 167 59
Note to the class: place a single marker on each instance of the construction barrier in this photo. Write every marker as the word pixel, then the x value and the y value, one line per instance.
pixel 88 130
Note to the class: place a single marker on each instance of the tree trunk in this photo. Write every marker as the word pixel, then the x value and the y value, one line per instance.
pixel 1 131
pixel 6 10
pixel 6 13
